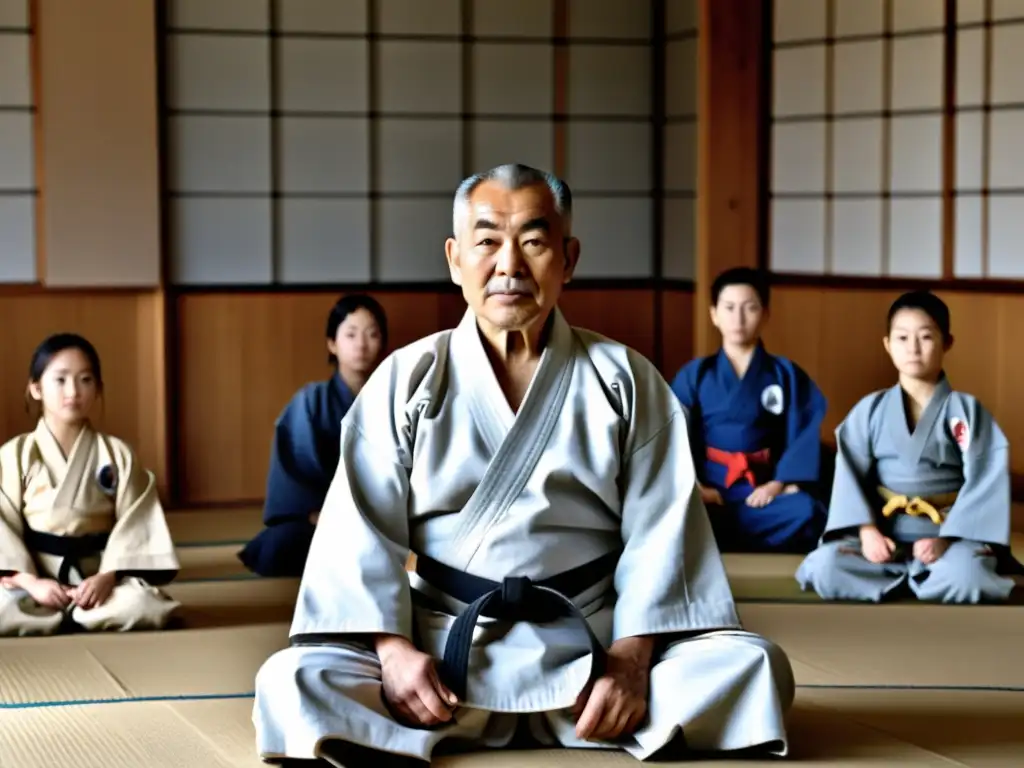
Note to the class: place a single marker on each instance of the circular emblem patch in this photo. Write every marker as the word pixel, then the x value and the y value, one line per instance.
pixel 106 479
pixel 771 399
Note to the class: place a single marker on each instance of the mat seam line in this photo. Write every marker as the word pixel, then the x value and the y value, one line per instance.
pixel 252 694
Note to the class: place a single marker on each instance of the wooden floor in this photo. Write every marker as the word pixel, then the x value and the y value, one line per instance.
pixel 901 684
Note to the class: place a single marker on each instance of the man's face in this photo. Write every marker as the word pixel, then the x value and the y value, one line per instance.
pixel 511 256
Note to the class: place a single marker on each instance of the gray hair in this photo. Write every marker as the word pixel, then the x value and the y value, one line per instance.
pixel 515 176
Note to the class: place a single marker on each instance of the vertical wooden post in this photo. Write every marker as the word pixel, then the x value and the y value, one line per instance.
pixel 732 144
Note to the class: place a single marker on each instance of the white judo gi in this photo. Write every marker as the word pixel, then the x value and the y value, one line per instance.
pixel 595 464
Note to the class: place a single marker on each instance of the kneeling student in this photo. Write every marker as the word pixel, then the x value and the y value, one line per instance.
pixel 921 497
pixel 306 444
pixel 83 539
pixel 755 429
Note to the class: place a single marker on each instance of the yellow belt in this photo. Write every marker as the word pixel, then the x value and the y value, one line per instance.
pixel 916 506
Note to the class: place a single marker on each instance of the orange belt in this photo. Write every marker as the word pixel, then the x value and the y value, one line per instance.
pixel 738 464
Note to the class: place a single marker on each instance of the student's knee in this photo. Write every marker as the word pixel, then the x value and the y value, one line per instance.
pixel 822 570
pixel 133 605
pixel 22 616
pixel 280 550
pixel 965 574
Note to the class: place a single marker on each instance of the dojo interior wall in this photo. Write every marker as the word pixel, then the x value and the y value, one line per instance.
pixel 195 374
pixel 892 156
pixel 79 206
pixel 279 159
pixel 329 157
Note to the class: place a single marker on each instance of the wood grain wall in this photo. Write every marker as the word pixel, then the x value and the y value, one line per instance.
pixel 242 355
pixel 836 335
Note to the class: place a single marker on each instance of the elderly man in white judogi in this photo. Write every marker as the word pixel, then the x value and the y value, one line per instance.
pixel 567 588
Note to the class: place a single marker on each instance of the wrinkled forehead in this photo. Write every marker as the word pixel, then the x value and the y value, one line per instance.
pixel 493 206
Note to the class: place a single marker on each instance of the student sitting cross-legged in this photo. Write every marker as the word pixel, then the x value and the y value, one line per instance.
pixel 921 498
pixel 83 539
pixel 755 421
pixel 304 451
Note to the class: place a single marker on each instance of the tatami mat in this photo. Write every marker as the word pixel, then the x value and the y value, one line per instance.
pixel 149 734
pixel 209 541
pixel 214 525
pixel 879 646
pixel 897 645
pixel 230 603
pixel 903 684
pixel 826 728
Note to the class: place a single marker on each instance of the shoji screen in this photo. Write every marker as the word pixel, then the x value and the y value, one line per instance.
pixel 17 156
pixel 609 135
pixel 320 141
pixel 989 178
pixel 680 141
pixel 857 137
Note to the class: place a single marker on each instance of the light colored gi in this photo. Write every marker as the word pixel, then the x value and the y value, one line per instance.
pixel 432 461
pixel 955 463
pixel 42 490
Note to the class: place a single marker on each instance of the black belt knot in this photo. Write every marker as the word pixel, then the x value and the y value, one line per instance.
pixel 515 599
pixel 72 549
pixel 514 591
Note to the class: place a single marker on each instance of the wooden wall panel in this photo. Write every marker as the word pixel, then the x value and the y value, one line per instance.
pixel 676 330
pixel 626 315
pixel 836 335
pixel 241 356
pixel 123 327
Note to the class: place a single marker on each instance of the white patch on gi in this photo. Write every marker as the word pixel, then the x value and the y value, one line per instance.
pixel 771 399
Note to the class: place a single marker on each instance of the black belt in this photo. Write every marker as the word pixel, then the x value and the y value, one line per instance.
pixel 516 598
pixel 72 549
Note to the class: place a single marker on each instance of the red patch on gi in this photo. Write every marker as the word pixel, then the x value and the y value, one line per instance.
pixel 960 433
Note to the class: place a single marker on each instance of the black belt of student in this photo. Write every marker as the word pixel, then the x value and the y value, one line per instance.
pixel 516 598
pixel 72 549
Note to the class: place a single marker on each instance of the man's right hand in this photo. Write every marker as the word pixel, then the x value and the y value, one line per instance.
pixel 412 688
pixel 876 547
pixel 711 496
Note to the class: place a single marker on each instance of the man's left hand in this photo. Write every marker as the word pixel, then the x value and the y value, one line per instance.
pixel 617 703
pixel 765 494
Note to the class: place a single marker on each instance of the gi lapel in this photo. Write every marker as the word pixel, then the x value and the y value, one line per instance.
pixel 78 463
pixel 915 442
pixel 521 447
pixel 755 390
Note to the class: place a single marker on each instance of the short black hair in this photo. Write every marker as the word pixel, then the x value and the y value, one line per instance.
pixel 755 278
pixel 53 345
pixel 344 307
pixel 926 302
